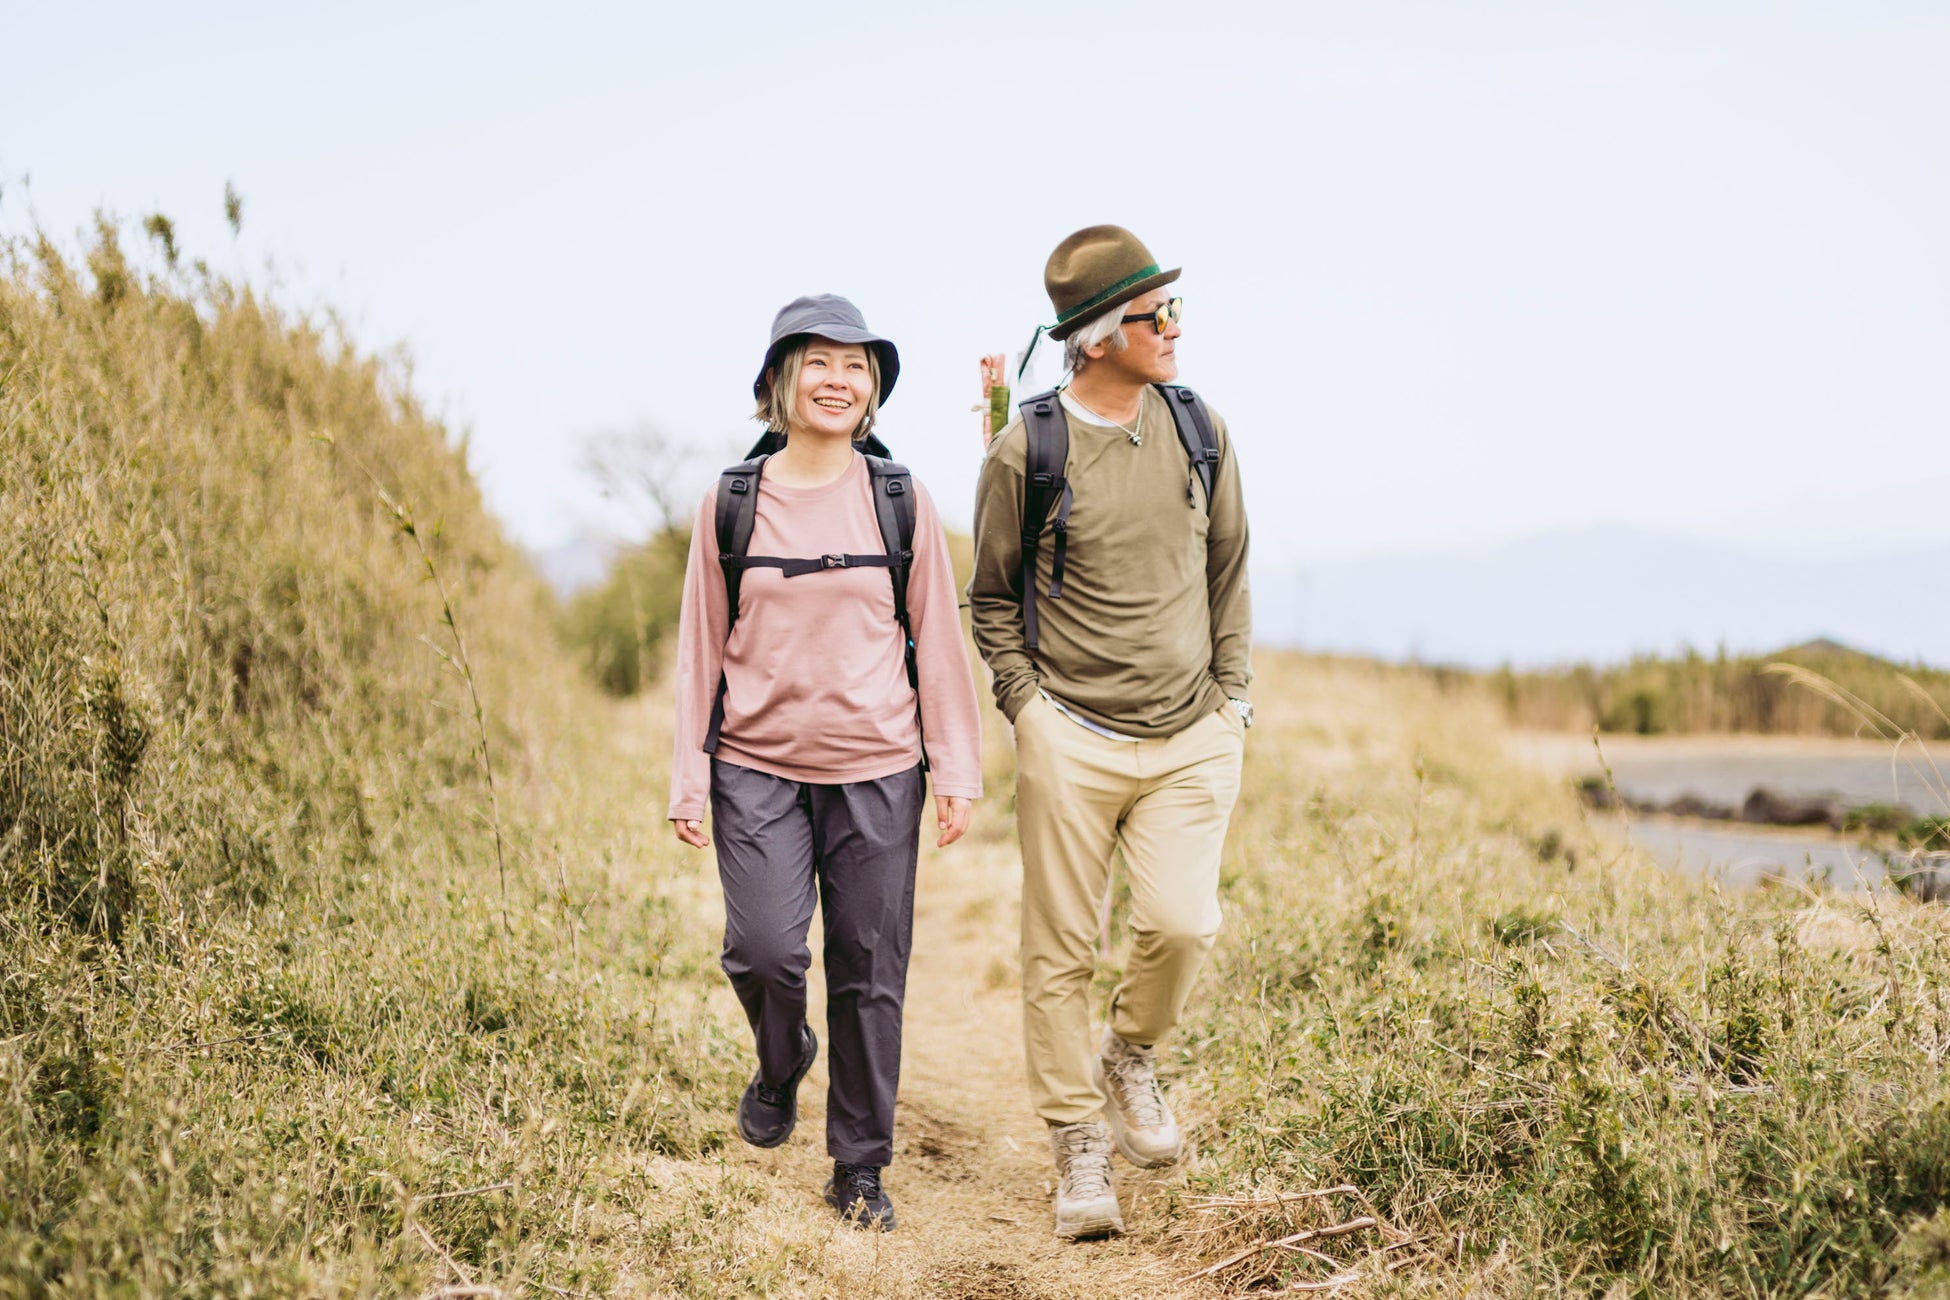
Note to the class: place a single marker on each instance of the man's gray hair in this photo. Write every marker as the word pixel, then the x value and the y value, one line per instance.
pixel 1107 329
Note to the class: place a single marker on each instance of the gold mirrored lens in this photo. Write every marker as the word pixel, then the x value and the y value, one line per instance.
pixel 1169 313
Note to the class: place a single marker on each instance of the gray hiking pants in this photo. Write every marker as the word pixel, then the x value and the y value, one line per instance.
pixel 782 845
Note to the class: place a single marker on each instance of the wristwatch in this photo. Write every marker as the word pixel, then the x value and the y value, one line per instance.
pixel 1244 708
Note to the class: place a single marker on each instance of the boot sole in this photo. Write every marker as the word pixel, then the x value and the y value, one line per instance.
pixel 812 1054
pixel 1103 1224
pixel 1119 1135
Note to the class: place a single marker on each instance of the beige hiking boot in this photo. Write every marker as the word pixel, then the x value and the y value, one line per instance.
pixel 1085 1204
pixel 1140 1122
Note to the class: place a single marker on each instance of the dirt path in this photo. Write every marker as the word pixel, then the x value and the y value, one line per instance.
pixel 972 1177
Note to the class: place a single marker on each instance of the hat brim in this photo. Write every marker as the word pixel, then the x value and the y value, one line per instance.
pixel 1138 290
pixel 890 357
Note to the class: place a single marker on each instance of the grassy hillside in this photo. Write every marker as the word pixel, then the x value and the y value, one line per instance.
pixel 263 991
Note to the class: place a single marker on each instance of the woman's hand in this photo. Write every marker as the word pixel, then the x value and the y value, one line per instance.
pixel 950 814
pixel 692 832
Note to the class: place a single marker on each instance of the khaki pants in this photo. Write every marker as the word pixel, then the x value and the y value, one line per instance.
pixel 1080 796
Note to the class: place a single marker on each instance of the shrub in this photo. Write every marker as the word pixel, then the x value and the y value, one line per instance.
pixel 618 629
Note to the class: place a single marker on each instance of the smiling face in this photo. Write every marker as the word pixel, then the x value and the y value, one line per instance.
pixel 1147 357
pixel 833 389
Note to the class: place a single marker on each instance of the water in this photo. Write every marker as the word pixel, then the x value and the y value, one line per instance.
pixel 1750 855
pixel 1660 776
pixel 1724 770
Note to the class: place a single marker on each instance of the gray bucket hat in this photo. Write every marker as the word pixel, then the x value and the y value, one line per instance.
pixel 828 316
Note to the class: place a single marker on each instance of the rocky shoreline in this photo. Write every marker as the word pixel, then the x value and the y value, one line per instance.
pixel 1765 806
pixel 1915 850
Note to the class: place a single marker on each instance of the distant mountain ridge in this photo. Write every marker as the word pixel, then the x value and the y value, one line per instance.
pixel 1602 595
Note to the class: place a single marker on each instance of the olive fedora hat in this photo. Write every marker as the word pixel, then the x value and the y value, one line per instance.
pixel 1096 269
pixel 827 316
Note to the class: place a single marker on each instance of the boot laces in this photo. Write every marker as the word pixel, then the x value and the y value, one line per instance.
pixel 1131 1074
pixel 1083 1150
pixel 863 1181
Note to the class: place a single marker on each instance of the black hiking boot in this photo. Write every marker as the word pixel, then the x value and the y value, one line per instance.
pixel 854 1190
pixel 767 1114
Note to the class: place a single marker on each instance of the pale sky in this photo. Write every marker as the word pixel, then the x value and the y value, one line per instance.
pixel 1452 273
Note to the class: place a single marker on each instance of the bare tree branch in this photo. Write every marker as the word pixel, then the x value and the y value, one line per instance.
pixel 644 470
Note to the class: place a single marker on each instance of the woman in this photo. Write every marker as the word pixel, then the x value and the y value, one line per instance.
pixel 801 716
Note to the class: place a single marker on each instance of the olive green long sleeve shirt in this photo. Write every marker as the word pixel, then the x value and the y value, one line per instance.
pixel 1154 627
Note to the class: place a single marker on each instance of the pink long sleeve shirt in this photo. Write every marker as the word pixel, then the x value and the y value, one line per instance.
pixel 816 680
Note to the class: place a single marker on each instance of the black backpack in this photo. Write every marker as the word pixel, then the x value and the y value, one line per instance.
pixel 737 514
pixel 1044 485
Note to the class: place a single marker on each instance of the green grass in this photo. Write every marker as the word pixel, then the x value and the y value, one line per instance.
pixel 1586 1078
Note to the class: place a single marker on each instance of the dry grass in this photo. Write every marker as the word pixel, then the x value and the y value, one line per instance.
pixel 268 1028
pixel 1577 1073
pixel 261 1004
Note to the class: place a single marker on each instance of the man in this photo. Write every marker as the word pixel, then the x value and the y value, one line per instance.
pixel 1121 652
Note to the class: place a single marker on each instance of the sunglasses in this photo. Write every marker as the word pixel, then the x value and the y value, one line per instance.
pixel 1163 318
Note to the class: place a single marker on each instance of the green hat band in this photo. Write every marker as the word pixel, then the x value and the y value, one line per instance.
pixel 1098 299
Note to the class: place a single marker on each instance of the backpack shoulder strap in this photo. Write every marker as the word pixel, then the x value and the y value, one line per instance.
pixel 893 506
pixel 736 516
pixel 1194 424
pixel 1044 488
pixel 893 509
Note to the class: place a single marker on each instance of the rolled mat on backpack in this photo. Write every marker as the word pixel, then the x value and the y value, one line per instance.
pixel 998 409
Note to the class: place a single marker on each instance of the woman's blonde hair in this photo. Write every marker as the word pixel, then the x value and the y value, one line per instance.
pixel 782 381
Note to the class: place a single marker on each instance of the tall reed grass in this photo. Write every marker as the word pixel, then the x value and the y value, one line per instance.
pixel 1728 694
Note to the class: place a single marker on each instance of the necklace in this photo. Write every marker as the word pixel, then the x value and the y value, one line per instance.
pixel 1135 431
